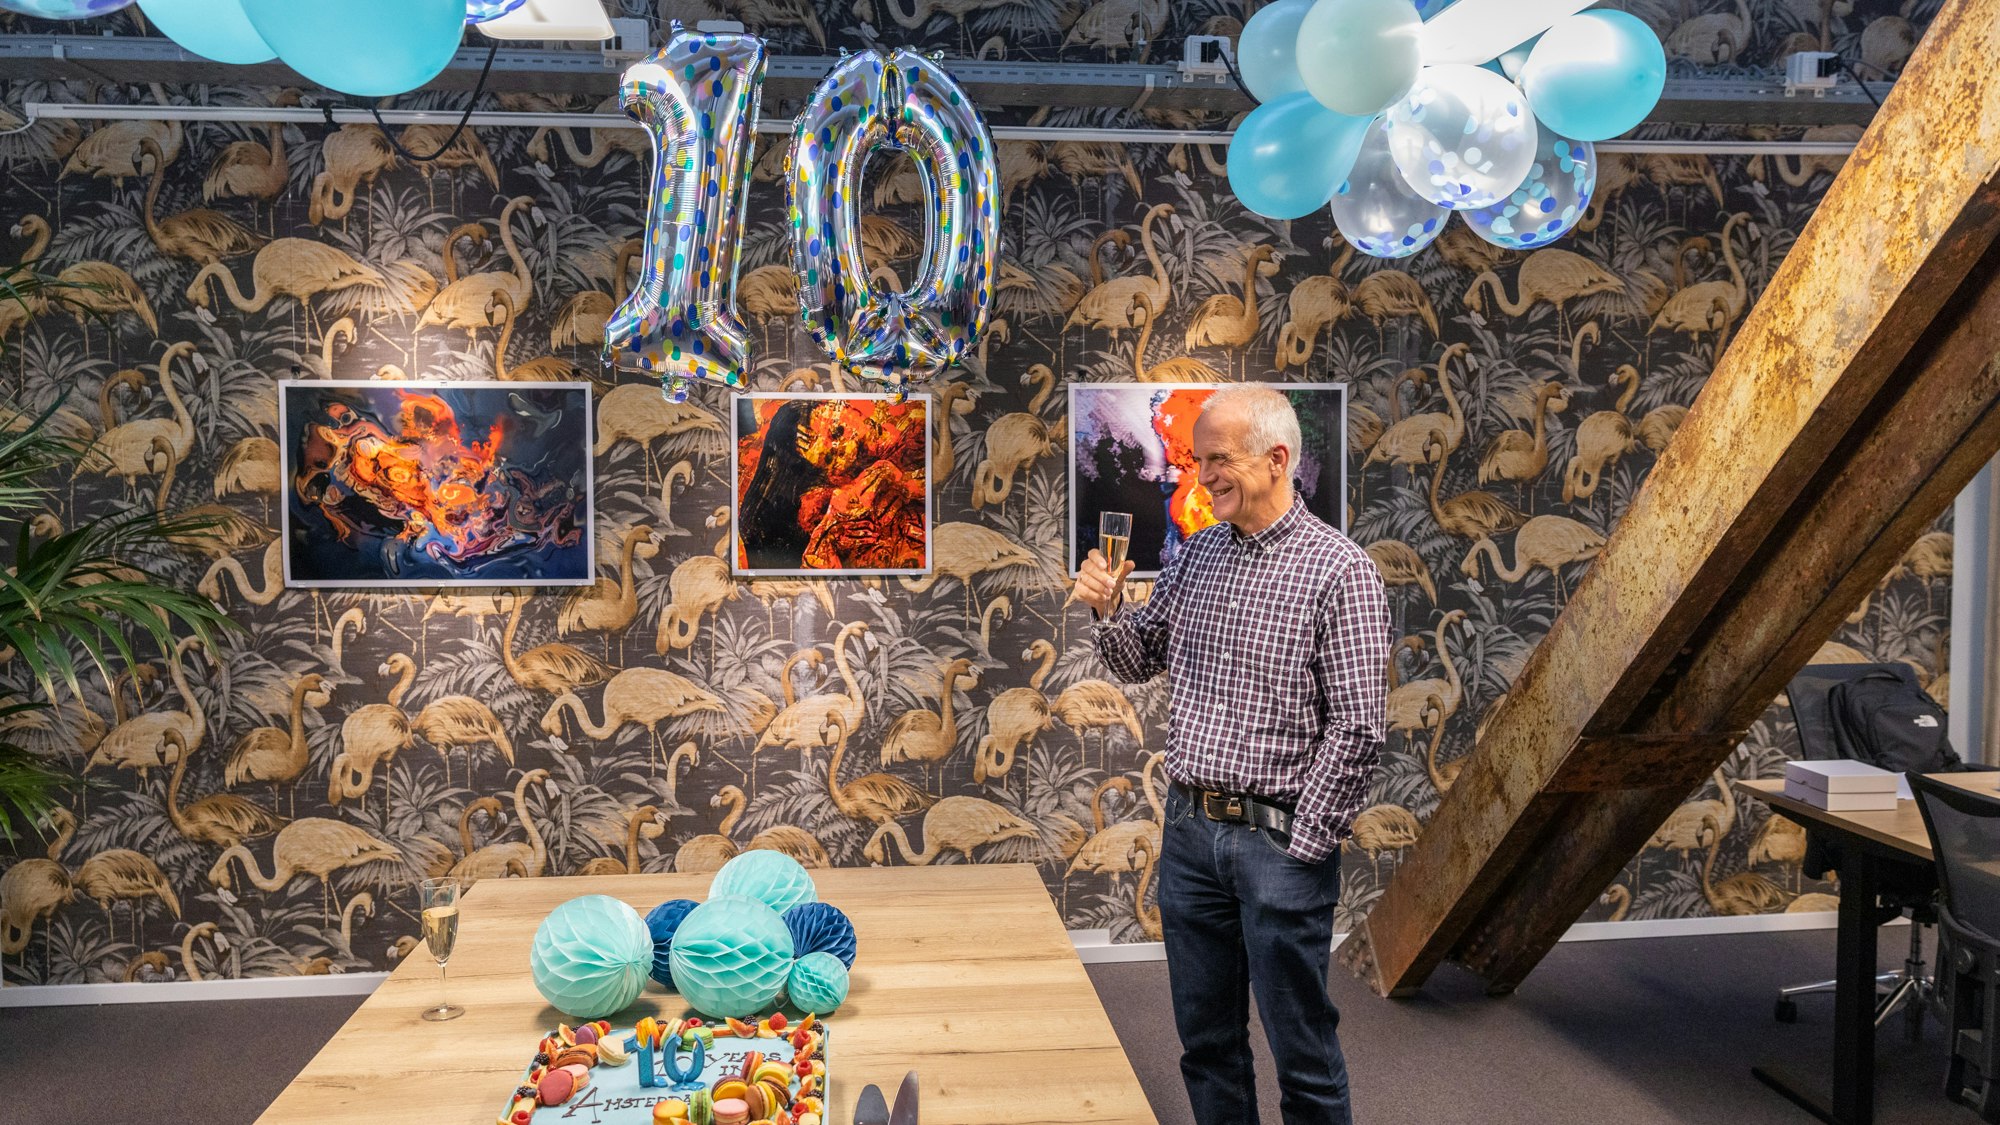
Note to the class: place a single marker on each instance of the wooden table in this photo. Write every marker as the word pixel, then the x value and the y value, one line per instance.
pixel 1868 841
pixel 969 961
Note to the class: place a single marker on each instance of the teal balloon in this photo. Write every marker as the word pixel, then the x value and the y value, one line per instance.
pixel 591 956
pixel 1288 156
pixel 772 878
pixel 1267 53
pixel 731 956
pixel 371 48
pixel 1595 75
pixel 817 983
pixel 213 29
pixel 1359 56
pixel 64 9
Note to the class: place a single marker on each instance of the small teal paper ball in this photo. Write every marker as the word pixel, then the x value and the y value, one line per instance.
pixel 663 920
pixel 818 983
pixel 819 927
pixel 590 956
pixel 773 878
pixel 730 956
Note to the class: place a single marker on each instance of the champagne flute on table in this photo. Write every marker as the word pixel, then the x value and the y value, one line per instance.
pixel 1114 534
pixel 440 904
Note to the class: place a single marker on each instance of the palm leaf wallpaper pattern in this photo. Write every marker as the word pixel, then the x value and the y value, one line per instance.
pixel 346 745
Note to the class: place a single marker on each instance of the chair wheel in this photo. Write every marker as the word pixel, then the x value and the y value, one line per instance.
pixel 1786 1011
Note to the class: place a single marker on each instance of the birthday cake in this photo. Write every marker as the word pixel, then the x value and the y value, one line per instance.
pixel 670 1072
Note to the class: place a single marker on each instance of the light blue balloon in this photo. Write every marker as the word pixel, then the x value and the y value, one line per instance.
pixel 1358 56
pixel 213 29
pixel 64 9
pixel 1267 53
pixel 1376 211
pixel 371 48
pixel 1595 75
pixel 1549 202
pixel 1288 156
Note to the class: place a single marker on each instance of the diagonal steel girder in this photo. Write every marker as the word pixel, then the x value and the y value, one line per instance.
pixel 1859 396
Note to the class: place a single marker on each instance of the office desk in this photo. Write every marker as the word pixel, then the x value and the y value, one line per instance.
pixel 965 974
pixel 1867 841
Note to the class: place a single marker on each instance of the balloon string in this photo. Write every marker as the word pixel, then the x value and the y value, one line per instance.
pixel 1236 76
pixel 477 89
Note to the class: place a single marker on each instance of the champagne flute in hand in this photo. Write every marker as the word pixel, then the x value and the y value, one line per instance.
pixel 440 903
pixel 1114 533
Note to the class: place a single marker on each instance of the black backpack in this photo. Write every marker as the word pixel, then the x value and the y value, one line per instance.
pixel 1886 720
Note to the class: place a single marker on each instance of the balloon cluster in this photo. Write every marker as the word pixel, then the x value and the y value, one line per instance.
pixel 1354 118
pixel 762 934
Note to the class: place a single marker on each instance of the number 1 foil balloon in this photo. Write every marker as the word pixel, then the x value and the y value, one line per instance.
pixel 698 100
pixel 901 102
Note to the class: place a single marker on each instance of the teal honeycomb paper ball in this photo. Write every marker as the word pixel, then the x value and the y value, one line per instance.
pixel 591 956
pixel 818 983
pixel 730 956
pixel 773 878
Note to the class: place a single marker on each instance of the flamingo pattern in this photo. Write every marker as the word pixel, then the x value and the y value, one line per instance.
pixel 658 699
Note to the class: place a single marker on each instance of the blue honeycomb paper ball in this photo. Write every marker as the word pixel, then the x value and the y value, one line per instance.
pixel 663 921
pixel 590 956
pixel 819 927
pixel 818 983
pixel 773 878
pixel 730 956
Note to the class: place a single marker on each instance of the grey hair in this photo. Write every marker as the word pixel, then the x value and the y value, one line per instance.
pixel 1272 420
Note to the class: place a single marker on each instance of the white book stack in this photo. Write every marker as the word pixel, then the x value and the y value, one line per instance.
pixel 1841 786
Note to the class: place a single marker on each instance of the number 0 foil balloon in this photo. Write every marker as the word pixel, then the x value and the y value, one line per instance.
pixel 869 103
pixel 698 99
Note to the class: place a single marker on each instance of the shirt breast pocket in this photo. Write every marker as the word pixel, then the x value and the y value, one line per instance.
pixel 1282 650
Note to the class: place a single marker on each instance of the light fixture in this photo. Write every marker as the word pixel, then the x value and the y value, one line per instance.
pixel 551 19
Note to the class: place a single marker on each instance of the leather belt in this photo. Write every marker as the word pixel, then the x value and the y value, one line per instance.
pixel 1238 808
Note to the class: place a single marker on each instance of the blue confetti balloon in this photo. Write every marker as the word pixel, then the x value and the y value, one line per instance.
pixel 817 984
pixel 1548 203
pixel 479 11
pixel 663 921
pixel 731 956
pixel 64 9
pixel 819 927
pixel 772 878
pixel 590 956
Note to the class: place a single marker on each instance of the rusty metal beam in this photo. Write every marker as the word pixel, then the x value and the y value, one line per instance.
pixel 1851 405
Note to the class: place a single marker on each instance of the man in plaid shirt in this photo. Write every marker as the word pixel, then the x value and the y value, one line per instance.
pixel 1275 630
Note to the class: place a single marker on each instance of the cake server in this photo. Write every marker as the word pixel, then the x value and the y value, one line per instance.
pixel 871 1109
pixel 906 1102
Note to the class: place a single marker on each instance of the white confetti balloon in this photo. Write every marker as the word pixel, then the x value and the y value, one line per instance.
pixel 1463 138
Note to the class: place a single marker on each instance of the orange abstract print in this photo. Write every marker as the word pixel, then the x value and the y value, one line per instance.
pixel 832 484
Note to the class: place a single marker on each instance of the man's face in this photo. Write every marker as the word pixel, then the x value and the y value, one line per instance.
pixel 1240 483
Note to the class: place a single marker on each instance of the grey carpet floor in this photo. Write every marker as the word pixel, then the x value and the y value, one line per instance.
pixel 1636 1032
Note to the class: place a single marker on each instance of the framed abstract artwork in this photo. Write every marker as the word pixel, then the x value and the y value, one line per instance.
pixel 1131 449
pixel 831 484
pixel 436 483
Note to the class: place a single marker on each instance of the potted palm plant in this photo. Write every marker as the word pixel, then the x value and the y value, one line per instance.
pixel 72 604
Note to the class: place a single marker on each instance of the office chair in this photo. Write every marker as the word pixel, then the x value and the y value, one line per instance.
pixel 1910 888
pixel 1965 839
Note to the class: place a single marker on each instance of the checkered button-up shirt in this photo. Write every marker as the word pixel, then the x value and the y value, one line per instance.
pixel 1277 644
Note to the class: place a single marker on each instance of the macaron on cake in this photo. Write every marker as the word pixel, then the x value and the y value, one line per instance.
pixel 769 1071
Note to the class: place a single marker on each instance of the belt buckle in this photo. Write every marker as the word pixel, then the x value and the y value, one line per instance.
pixel 1232 805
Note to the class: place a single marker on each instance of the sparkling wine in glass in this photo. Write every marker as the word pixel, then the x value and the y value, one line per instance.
pixel 440 904
pixel 1114 533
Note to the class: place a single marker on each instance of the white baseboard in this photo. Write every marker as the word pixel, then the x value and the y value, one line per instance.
pixel 1093 947
pixel 253 988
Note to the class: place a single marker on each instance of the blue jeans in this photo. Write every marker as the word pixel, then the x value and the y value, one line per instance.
pixel 1238 914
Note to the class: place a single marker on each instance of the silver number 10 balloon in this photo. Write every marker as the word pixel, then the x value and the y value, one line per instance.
pixel 902 102
pixel 698 99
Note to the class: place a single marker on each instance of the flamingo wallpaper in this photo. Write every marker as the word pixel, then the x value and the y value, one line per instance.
pixel 344 745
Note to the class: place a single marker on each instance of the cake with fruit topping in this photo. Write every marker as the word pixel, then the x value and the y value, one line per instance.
pixel 771 1071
